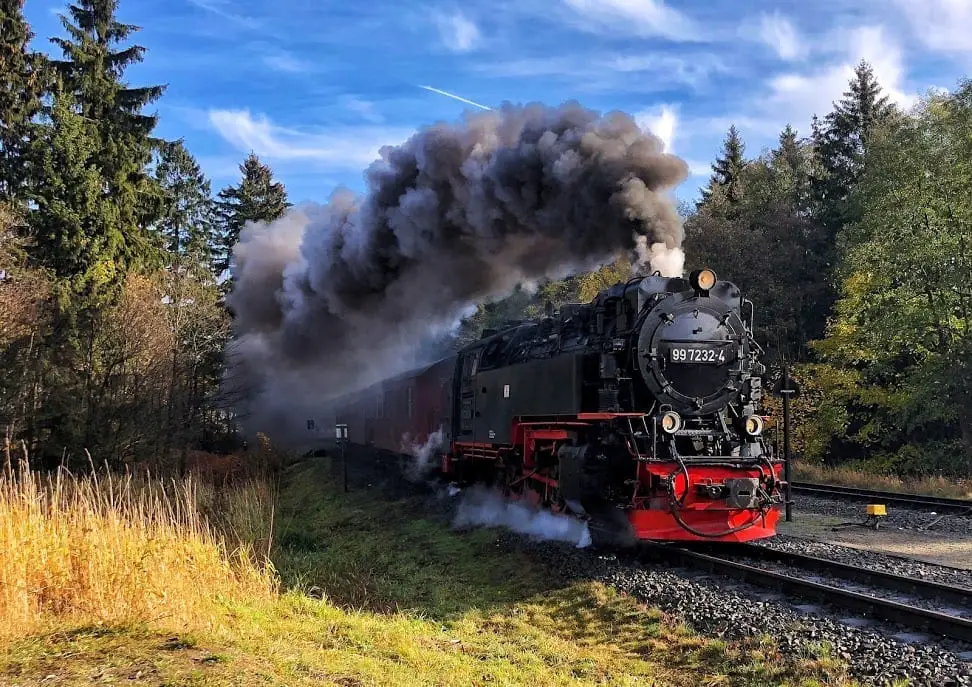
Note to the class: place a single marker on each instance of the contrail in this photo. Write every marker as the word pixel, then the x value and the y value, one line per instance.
pixel 456 97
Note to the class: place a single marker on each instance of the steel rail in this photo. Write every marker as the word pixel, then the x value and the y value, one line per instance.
pixel 932 622
pixel 898 498
pixel 900 583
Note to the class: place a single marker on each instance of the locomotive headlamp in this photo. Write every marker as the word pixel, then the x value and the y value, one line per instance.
pixel 671 422
pixel 753 425
pixel 703 280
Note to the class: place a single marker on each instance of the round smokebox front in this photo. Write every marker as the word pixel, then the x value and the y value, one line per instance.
pixel 689 353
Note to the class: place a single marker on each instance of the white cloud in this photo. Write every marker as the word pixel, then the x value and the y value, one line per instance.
pixel 795 96
pixel 458 33
pixel 642 17
pixel 349 148
pixel 662 122
pixel 779 33
pixel 942 25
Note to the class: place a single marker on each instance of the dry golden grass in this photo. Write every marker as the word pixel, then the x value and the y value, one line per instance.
pixel 406 601
pixel 849 476
pixel 107 549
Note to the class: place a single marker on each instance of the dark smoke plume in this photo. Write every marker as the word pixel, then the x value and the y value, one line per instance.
pixel 334 297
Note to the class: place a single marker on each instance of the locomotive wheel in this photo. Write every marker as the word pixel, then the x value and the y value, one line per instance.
pixel 610 529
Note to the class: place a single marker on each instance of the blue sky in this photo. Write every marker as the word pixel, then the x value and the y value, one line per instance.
pixel 315 87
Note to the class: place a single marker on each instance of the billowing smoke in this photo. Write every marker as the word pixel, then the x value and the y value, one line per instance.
pixel 422 453
pixel 336 296
pixel 481 507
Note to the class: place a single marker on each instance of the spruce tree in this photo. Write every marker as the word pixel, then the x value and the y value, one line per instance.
pixel 788 148
pixel 92 71
pixel 791 167
pixel 841 142
pixel 72 219
pixel 188 223
pixel 21 85
pixel 258 198
pixel 727 169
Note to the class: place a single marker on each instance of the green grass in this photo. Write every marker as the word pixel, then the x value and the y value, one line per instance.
pixel 407 602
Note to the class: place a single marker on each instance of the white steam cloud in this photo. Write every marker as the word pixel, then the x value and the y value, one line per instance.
pixel 422 453
pixel 481 507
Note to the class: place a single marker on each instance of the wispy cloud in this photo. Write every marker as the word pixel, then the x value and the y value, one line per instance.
pixel 345 148
pixel 365 109
pixel 600 72
pixel 224 9
pixel 778 32
pixel 639 17
pixel 286 62
pixel 458 33
pixel 456 97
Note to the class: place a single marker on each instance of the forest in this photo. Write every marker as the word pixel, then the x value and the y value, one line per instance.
pixel 853 241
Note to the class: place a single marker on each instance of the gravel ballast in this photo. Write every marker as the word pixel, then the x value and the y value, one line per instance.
pixel 897 517
pixel 717 607
pixel 896 565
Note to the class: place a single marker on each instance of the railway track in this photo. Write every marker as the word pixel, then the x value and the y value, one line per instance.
pixel 934 622
pixel 942 505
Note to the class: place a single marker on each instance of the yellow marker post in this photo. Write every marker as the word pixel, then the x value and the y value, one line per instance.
pixel 875 511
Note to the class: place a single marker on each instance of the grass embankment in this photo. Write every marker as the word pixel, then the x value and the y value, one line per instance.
pixel 138 587
pixel 850 476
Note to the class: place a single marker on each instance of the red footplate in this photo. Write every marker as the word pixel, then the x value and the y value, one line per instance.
pixel 717 525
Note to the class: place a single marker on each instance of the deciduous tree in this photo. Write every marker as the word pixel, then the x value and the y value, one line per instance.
pixel 898 355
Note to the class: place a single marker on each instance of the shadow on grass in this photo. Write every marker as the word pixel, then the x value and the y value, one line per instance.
pixel 386 547
pixel 378 548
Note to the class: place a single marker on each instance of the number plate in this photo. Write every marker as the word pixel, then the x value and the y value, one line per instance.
pixel 698 355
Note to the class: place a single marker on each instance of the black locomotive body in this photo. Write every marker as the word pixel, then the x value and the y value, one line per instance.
pixel 641 403
pixel 647 397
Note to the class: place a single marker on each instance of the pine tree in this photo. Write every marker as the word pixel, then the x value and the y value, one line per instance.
pixel 258 198
pixel 727 169
pixel 92 72
pixel 188 222
pixel 21 84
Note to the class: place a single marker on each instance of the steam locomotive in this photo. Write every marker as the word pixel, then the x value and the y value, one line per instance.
pixel 640 407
